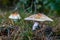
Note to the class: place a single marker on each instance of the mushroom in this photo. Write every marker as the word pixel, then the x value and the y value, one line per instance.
pixel 15 16
pixel 38 18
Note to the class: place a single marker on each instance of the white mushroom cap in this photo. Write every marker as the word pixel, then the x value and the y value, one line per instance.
pixel 38 17
pixel 15 16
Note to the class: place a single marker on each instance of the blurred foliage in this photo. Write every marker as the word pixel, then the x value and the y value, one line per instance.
pixel 51 7
pixel 7 3
pixel 4 2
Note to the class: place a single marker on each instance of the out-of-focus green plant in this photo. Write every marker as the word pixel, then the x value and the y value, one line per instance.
pixel 5 2
pixel 50 7
pixel 34 6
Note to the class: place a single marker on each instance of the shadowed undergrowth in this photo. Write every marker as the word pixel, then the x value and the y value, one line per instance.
pixel 25 27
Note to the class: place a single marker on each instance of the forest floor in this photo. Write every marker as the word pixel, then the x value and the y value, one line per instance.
pixel 25 31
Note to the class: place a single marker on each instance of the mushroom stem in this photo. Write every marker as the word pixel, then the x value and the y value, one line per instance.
pixel 15 20
pixel 12 22
pixel 35 25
